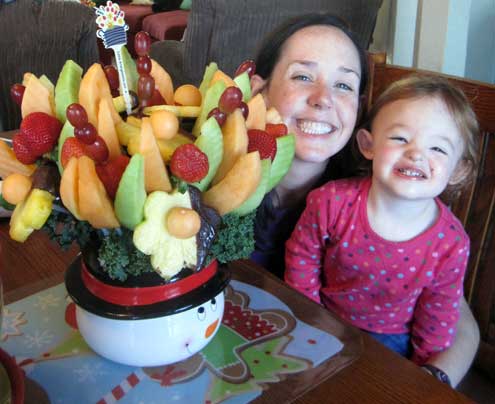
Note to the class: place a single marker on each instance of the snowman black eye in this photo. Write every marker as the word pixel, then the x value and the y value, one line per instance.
pixel 213 304
pixel 201 313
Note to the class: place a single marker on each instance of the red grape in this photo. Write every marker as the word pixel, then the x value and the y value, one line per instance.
pixel 17 92
pixel 112 76
pixel 247 66
pixel 230 99
pixel 86 134
pixel 245 109
pixel 146 86
pixel 143 65
pixel 98 150
pixel 76 114
pixel 142 43
pixel 219 115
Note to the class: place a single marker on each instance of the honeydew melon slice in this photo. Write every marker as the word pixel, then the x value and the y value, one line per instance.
pixel 286 146
pixel 255 199
pixel 67 88
pixel 210 101
pixel 207 76
pixel 210 142
pixel 130 69
pixel 242 81
pixel 131 194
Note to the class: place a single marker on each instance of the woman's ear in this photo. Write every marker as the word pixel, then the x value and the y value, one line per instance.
pixel 257 84
pixel 365 143
pixel 461 172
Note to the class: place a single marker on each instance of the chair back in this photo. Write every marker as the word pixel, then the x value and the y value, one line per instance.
pixel 475 207
pixel 229 31
pixel 38 37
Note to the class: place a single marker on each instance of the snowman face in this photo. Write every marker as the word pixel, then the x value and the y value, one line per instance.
pixel 153 342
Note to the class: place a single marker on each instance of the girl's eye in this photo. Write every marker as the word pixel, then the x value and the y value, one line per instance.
pixel 213 304
pixel 201 313
pixel 399 139
pixel 344 86
pixel 439 150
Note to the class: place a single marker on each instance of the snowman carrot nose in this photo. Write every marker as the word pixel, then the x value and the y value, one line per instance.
pixel 211 329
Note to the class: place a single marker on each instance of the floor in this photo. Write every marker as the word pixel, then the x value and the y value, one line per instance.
pixel 478 387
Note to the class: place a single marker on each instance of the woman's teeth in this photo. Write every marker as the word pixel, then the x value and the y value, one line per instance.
pixel 314 128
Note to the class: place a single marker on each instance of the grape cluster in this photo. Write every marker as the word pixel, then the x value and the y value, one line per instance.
pixel 17 92
pixel 112 76
pixel 86 133
pixel 146 83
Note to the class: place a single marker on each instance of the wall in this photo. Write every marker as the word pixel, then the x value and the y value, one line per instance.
pixel 452 36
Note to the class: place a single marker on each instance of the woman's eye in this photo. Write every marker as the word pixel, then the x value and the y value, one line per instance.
pixel 201 313
pixel 213 304
pixel 301 77
pixel 439 150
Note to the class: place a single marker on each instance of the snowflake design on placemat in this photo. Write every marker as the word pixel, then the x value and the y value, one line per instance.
pixel 47 301
pixel 38 339
pixel 12 322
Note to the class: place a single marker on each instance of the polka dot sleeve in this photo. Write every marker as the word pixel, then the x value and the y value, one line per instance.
pixel 437 309
pixel 305 249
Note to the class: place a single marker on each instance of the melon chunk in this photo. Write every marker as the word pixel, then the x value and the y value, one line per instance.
pixel 163 82
pixel 235 143
pixel 94 203
pixel 106 129
pixel 155 173
pixel 257 113
pixel 237 186
pixel 69 188
pixel 37 97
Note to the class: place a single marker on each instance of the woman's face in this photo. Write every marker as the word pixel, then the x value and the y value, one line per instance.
pixel 315 88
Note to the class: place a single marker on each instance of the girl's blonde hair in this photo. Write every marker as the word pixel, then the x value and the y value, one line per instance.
pixel 418 86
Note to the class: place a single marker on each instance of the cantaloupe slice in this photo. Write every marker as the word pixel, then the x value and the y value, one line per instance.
pixel 235 143
pixel 94 204
pixel 9 163
pixel 106 129
pixel 37 98
pixel 155 172
pixel 94 87
pixel 257 113
pixel 221 76
pixel 163 82
pixel 69 188
pixel 237 186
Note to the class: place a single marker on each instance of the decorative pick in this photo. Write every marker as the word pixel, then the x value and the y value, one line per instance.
pixel 113 34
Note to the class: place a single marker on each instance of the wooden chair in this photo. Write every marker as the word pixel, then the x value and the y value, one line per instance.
pixel 474 207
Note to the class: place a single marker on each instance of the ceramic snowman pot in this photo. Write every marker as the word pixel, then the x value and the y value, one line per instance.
pixel 146 321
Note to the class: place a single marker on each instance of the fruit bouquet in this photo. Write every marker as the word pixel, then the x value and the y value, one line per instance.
pixel 155 184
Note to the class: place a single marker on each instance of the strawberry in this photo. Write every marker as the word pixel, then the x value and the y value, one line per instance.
pixel 111 172
pixel 41 132
pixel 276 129
pixel 263 142
pixel 189 163
pixel 71 148
pixel 21 149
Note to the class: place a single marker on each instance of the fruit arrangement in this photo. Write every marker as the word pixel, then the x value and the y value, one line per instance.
pixel 159 189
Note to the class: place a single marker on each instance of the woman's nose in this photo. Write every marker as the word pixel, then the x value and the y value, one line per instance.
pixel 321 98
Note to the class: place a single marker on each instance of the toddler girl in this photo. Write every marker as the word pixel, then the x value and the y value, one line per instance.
pixel 385 253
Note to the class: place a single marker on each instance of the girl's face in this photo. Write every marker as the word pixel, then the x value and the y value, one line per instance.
pixel 315 88
pixel 416 148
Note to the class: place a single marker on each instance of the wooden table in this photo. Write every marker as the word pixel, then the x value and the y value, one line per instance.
pixel 375 375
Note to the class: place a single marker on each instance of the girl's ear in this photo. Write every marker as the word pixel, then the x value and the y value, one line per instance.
pixel 257 84
pixel 365 143
pixel 461 172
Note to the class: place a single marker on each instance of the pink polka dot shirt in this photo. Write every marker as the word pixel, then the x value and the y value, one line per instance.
pixel 414 286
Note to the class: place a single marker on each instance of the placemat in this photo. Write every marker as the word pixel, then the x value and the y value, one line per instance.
pixel 259 344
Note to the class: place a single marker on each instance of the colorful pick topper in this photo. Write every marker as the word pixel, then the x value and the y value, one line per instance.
pixel 112 32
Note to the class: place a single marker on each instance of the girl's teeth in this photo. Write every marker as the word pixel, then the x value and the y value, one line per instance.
pixel 411 173
pixel 314 128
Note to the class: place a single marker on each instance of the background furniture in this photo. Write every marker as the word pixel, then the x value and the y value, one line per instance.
pixel 474 207
pixel 38 37
pixel 229 31
pixel 167 25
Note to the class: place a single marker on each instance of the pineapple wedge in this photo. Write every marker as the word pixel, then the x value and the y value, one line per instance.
pixel 30 214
